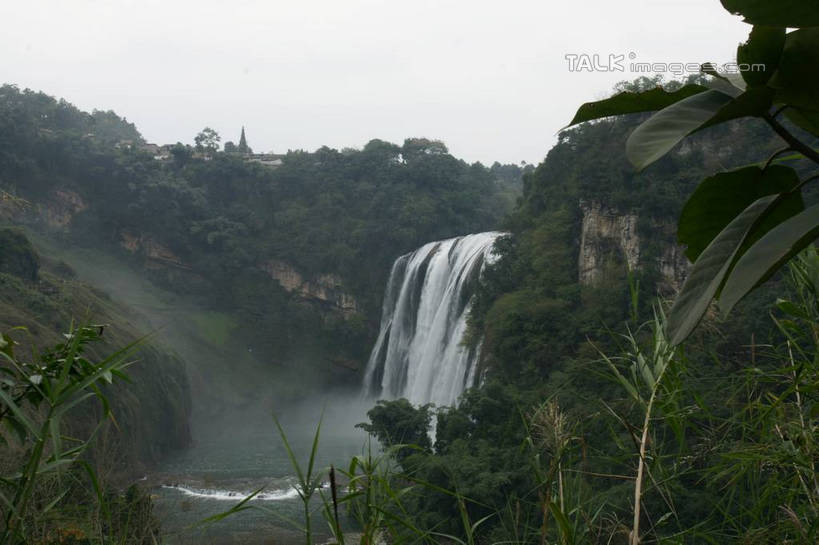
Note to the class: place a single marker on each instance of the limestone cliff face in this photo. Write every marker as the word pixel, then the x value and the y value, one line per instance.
pixel 673 266
pixel 156 254
pixel 326 288
pixel 606 233
pixel 602 229
pixel 61 208
pixel 56 212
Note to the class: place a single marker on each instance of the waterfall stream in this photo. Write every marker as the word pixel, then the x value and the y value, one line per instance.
pixel 418 354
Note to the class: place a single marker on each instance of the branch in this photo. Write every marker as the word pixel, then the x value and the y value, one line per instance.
pixel 792 141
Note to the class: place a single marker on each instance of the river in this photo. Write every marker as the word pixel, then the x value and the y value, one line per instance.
pixel 238 454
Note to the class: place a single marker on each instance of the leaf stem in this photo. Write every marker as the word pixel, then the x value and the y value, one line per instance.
pixel 776 154
pixel 779 110
pixel 792 141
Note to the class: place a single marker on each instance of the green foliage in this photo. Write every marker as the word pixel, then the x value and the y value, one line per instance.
pixel 17 256
pixel 646 382
pixel 35 398
pixel 151 414
pixel 786 83
pixel 706 279
pixel 634 102
pixel 217 227
pixel 767 455
pixel 723 196
pixel 764 47
pixel 662 131
pixel 207 140
pixel 771 252
pixel 706 450
pixel 788 13
pixel 110 128
pixel 396 423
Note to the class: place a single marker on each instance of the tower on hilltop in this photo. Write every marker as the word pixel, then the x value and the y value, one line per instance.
pixel 243 147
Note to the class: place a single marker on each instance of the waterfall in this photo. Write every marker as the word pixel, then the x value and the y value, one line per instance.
pixel 418 354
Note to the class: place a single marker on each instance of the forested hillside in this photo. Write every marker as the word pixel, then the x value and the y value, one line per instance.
pixel 297 253
pixel 578 291
pixel 151 413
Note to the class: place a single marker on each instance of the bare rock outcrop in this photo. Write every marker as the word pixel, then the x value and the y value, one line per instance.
pixel 605 230
pixel 325 288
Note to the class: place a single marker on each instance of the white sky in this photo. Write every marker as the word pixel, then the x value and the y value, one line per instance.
pixel 489 78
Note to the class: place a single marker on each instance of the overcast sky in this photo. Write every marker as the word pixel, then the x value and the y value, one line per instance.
pixel 488 78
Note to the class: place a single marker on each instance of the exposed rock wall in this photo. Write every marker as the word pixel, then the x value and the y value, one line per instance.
pixel 61 208
pixel 673 267
pixel 602 226
pixel 155 252
pixel 326 288
pixel 605 229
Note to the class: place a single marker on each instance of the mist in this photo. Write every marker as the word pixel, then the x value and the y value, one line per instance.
pixel 233 392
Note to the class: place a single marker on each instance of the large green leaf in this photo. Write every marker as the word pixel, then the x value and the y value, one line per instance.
pixel 729 83
pixel 784 13
pixel 708 273
pixel 770 252
pixel 764 47
pixel 629 103
pixel 720 198
pixel 662 131
pixel 796 80
pixel 756 101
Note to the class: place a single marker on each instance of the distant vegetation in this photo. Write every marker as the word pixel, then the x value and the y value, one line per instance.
pixel 347 213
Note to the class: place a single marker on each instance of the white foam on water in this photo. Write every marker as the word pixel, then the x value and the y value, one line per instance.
pixel 234 495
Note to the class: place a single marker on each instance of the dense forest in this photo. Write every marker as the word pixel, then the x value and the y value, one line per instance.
pixel 245 238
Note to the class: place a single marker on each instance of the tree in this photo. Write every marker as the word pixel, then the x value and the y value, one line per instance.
pixel 230 147
pixel 207 141
pixel 740 226
pixel 417 147
pixel 181 153
pixel 398 423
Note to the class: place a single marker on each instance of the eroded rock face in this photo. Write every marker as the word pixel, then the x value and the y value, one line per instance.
pixel 61 208
pixel 674 267
pixel 287 276
pixel 605 230
pixel 155 252
pixel 326 288
pixel 601 228
pixel 11 206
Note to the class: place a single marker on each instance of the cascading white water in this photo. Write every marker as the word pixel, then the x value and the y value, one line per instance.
pixel 418 354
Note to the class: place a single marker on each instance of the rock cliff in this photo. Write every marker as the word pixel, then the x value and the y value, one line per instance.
pixel 607 233
pixel 325 288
